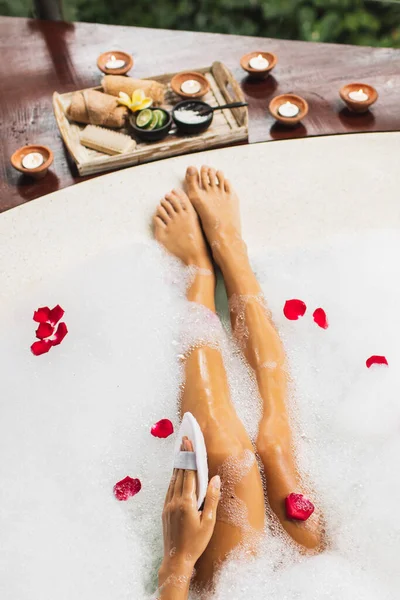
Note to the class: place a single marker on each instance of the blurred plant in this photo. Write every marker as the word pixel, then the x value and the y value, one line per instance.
pixel 373 23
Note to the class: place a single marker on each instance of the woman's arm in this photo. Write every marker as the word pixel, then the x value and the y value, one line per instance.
pixel 174 579
pixel 187 531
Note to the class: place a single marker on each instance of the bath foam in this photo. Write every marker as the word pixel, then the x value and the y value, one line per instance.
pixel 231 508
pixel 346 423
pixel 78 420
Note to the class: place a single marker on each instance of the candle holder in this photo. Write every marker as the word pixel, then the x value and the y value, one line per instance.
pixel 258 73
pixel 36 172
pixel 298 101
pixel 104 58
pixel 359 106
pixel 180 78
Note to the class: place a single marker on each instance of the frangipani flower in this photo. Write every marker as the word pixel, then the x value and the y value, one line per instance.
pixel 139 101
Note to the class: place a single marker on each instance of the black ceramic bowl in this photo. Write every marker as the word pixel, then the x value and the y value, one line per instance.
pixel 191 127
pixel 151 135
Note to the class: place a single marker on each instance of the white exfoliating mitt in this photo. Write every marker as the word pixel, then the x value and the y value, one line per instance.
pixel 196 460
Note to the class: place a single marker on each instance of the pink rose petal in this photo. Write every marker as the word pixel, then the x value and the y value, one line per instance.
pixel 298 507
pixel 56 314
pixel 44 330
pixel 294 309
pixel 162 429
pixel 41 347
pixel 126 488
pixel 376 360
pixel 60 334
pixel 320 318
pixel 42 315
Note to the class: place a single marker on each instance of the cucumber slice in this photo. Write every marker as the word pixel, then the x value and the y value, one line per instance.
pixel 161 117
pixel 144 118
pixel 154 121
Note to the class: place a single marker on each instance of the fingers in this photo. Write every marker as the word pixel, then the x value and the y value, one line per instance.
pixel 189 478
pixel 179 477
pixel 183 482
pixel 213 495
pixel 171 487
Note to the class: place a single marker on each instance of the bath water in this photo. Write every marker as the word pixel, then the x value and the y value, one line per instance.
pixel 77 420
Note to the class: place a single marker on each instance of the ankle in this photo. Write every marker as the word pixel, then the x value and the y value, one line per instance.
pixel 228 248
pixel 201 289
pixel 236 270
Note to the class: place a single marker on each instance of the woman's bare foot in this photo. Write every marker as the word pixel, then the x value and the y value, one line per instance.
pixel 217 205
pixel 177 228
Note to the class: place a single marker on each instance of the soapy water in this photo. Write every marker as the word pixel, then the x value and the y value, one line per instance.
pixel 77 420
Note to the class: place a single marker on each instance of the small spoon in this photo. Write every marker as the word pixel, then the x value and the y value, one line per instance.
pixel 206 111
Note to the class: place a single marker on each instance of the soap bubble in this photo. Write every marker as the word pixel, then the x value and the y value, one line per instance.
pixel 77 420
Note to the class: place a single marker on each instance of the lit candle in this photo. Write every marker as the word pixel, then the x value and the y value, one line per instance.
pixel 259 63
pixel 359 96
pixel 32 160
pixel 190 86
pixel 288 110
pixel 115 63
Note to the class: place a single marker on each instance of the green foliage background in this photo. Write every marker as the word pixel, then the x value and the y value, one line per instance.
pixel 363 22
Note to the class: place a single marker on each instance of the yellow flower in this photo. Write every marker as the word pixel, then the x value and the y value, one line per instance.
pixel 137 102
pixel 124 99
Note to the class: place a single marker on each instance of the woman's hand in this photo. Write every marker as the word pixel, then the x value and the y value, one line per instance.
pixel 187 531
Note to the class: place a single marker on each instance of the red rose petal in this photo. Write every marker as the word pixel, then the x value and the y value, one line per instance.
pixel 376 360
pixel 126 488
pixel 60 334
pixel 41 347
pixel 320 318
pixel 42 315
pixel 162 429
pixel 294 309
pixel 298 507
pixel 56 314
pixel 44 330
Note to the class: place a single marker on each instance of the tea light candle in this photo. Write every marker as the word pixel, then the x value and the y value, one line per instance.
pixel 115 63
pixel 259 63
pixel 359 96
pixel 288 109
pixel 32 160
pixel 190 86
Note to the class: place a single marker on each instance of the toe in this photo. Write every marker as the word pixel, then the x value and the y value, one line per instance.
pixel 167 205
pixel 174 200
pixel 227 186
pixel 204 177
pixel 221 179
pixel 158 227
pixel 212 175
pixel 192 179
pixel 183 199
pixel 163 215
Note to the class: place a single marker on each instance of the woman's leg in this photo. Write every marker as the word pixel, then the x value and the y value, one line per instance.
pixel 205 394
pixel 218 207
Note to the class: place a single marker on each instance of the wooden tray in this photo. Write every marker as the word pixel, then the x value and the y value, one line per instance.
pixel 229 126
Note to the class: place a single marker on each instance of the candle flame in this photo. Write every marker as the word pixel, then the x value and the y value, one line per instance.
pixel 113 57
pixel 260 56
pixel 361 91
